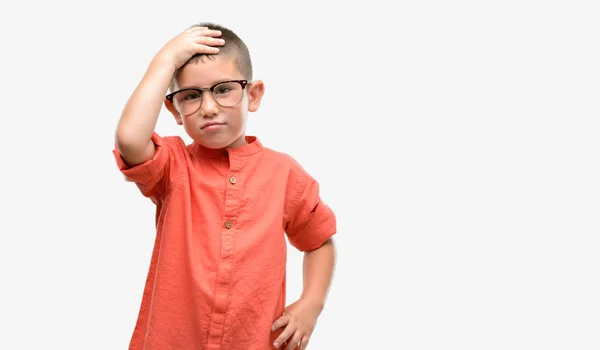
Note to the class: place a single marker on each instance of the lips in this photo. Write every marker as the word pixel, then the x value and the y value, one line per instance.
pixel 210 124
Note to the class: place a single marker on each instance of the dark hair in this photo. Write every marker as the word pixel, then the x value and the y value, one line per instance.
pixel 233 47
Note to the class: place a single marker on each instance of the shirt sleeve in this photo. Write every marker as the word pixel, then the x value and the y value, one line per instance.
pixel 310 222
pixel 152 176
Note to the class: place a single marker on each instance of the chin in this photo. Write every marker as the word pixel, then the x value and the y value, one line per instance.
pixel 214 144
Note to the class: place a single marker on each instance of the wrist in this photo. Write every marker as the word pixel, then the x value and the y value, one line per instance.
pixel 163 61
pixel 316 302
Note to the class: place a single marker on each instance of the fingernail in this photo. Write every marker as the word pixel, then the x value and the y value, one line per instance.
pixel 276 344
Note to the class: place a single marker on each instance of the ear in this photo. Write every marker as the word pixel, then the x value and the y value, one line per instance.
pixel 256 91
pixel 173 111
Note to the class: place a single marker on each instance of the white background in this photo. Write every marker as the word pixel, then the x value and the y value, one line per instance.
pixel 456 141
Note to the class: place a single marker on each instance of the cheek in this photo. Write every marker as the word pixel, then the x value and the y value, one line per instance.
pixel 192 124
pixel 237 116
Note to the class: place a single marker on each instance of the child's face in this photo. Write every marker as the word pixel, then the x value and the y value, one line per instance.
pixel 228 122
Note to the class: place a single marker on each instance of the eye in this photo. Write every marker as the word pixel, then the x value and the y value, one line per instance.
pixel 222 90
pixel 192 95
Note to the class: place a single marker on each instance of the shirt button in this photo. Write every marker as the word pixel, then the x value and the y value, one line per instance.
pixel 232 180
pixel 228 224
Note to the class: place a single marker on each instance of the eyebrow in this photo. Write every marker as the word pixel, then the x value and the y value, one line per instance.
pixel 214 83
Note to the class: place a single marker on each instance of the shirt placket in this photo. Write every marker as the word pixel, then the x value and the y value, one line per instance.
pixel 228 230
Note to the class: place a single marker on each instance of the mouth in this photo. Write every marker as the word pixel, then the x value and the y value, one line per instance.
pixel 211 125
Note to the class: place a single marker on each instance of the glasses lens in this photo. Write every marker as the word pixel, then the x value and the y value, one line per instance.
pixel 228 94
pixel 187 102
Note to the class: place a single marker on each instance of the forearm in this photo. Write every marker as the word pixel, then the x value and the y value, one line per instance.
pixel 140 115
pixel 318 272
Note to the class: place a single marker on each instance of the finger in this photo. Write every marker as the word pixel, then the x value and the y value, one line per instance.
pixel 303 343
pixel 210 32
pixel 294 342
pixel 208 41
pixel 195 29
pixel 284 336
pixel 280 322
pixel 203 49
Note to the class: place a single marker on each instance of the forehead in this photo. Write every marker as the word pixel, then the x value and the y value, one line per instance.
pixel 206 72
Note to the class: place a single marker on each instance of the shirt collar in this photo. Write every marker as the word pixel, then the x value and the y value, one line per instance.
pixel 252 146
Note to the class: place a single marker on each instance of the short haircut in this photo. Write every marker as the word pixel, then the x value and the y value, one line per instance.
pixel 234 47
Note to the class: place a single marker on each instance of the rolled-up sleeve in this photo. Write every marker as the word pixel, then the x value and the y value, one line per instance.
pixel 151 176
pixel 311 222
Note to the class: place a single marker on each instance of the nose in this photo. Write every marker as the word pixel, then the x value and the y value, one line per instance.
pixel 208 107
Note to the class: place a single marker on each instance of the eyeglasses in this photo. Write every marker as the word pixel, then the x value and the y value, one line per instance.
pixel 226 94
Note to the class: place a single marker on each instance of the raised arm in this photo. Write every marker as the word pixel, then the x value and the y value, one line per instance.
pixel 139 117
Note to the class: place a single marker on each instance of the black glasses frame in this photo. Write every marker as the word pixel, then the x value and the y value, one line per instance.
pixel 243 83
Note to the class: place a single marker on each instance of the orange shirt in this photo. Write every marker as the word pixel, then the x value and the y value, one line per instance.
pixel 218 269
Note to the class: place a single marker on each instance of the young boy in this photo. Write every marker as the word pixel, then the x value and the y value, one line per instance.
pixel 217 277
